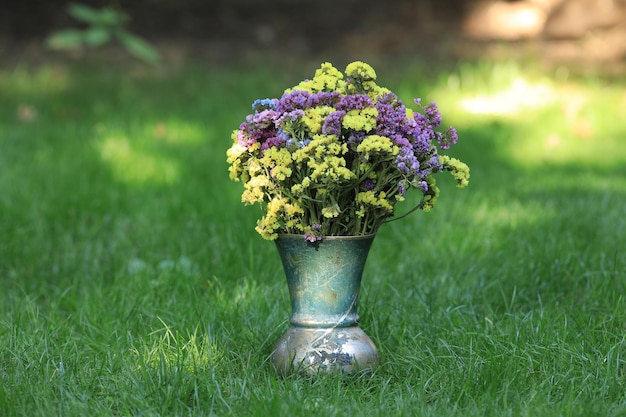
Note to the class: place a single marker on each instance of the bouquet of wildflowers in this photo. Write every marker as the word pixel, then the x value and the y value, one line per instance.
pixel 335 155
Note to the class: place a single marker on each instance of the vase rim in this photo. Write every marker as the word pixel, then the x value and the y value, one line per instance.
pixel 347 237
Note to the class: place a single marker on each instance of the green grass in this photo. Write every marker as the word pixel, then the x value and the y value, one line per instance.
pixel 133 282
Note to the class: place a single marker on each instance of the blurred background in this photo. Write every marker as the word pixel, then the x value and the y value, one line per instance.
pixel 572 31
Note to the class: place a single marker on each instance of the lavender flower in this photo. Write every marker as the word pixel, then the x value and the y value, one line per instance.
pixel 434 163
pixel 367 184
pixel 250 133
pixel 355 138
pixel 323 98
pixel 275 141
pixel 406 161
pixel 290 116
pixel 313 235
pixel 433 114
pixel 265 118
pixel 354 102
pixel 332 124
pixel 391 115
pixel 292 101
pixel 447 139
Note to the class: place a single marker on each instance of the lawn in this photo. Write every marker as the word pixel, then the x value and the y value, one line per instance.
pixel 133 282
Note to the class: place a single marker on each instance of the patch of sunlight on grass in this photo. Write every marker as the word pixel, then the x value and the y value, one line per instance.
pixel 168 349
pixel 177 132
pixel 562 147
pixel 587 181
pixel 512 214
pixel 23 81
pixel 520 95
pixel 134 166
pixel 551 119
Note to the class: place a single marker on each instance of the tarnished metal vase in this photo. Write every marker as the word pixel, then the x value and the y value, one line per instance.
pixel 324 279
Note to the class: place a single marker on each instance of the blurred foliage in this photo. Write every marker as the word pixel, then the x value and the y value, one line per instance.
pixel 103 26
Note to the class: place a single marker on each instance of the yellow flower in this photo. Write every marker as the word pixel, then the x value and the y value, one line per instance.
pixel 267 228
pixel 337 169
pixel 276 156
pixel 234 171
pixel 459 170
pixel 314 118
pixel 292 210
pixel 255 189
pixel 234 152
pixel 297 190
pixel 281 173
pixel 330 212
pixel 254 167
pixel 370 198
pixel 327 78
pixel 362 120
pixel 300 155
pixel 375 143
pixel 360 69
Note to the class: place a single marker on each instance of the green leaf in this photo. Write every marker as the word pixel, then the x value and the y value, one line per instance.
pixel 84 13
pixel 105 16
pixel 66 39
pixel 97 36
pixel 111 17
pixel 138 47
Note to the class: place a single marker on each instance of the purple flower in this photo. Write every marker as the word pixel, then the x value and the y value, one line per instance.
pixel 406 161
pixel 244 139
pixel 423 126
pixel 354 102
pixel 292 101
pixel 447 139
pixel 355 138
pixel 250 132
pixel 401 189
pixel 434 163
pixel 433 114
pixel 332 124
pixel 391 115
pixel 290 116
pixel 265 118
pixel 367 184
pixel 323 98
pixel 276 141
pixel 311 236
pixel 314 234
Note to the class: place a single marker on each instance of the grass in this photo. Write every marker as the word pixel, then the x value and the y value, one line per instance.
pixel 133 282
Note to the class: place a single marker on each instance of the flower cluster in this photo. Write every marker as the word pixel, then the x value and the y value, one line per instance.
pixel 335 155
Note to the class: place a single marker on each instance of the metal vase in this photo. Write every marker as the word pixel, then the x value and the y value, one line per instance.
pixel 324 279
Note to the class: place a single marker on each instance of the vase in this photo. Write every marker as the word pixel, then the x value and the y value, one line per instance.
pixel 324 280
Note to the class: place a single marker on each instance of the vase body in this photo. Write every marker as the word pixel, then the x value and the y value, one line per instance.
pixel 324 279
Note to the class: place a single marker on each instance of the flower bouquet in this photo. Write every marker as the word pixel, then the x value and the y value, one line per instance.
pixel 335 154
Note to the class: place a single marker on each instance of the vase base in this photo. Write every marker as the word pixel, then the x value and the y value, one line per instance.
pixel 309 351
